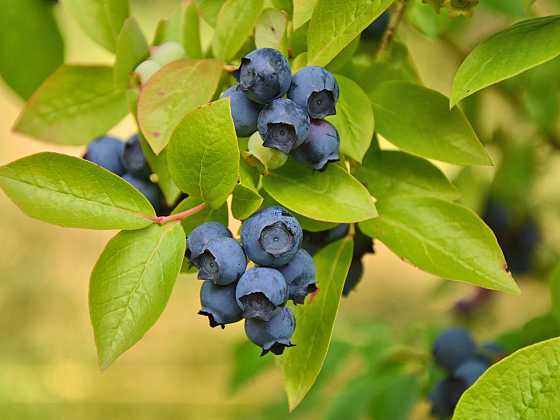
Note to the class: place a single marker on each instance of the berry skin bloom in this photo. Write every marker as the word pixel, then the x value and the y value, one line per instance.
pixel 300 276
pixel 453 347
pixel 273 335
pixel 315 90
pixel 222 261
pixel 244 112
pixel 133 158
pixel 219 305
pixel 148 188
pixel 202 234
pixel 321 146
pixel 260 292
pixel 107 152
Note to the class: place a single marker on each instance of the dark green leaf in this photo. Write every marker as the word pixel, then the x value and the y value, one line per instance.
pixel 537 329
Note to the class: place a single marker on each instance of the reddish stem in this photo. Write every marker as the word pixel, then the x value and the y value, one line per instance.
pixel 160 220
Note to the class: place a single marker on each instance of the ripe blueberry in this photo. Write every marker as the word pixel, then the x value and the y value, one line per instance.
pixel 468 372
pixel 491 352
pixel 315 241
pixel 283 125
pixel 300 276
pixel 271 237
pixel 315 90
pixel 354 276
pixel 244 112
pixel 202 235
pixel 134 160
pixel 264 75
pixel 219 305
pixel 106 152
pixel 148 188
pixel 222 261
pixel 320 147
pixel 453 347
pixel 444 397
pixel 260 292
pixel 273 335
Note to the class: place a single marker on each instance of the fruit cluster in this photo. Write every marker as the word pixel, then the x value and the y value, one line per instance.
pixel 456 352
pixel 271 238
pixel 293 124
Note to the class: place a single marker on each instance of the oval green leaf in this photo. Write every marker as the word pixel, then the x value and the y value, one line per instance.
pixel 314 322
pixel 132 49
pixel 203 154
pixel 508 53
pixel 73 192
pixel 521 386
pixel 131 284
pixel 418 121
pixel 329 196
pixel 270 31
pixel 303 9
pixel 442 238
pixel 245 201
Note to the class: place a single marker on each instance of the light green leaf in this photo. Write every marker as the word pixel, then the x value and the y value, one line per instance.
pixel 335 23
pixel 132 49
pixel 521 386
pixel 390 173
pixel 131 284
pixel 270 31
pixel 442 238
pixel 245 202
pixel 353 120
pixel 315 320
pixel 181 27
pixel 209 10
pixel 236 21
pixel 303 9
pixel 73 106
pixel 418 121
pixel 171 93
pixel 31 46
pixel 329 196
pixel 555 291
pixel 205 215
pixel 101 20
pixel 73 192
pixel 505 54
pixel 203 155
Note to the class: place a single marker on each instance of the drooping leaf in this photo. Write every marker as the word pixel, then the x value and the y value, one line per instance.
pixel 353 120
pixel 101 20
pixel 442 238
pixel 329 196
pixel 131 284
pixel 303 9
pixel 270 31
pixel 236 21
pixel 507 53
pixel 171 93
pixel 335 23
pixel 315 320
pixel 206 215
pixel 203 154
pixel 31 46
pixel 418 121
pixel 73 192
pixel 131 50
pixel 245 201
pixel 521 386
pixel 73 106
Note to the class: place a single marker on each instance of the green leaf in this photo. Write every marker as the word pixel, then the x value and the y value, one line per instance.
pixel 270 31
pixel 329 196
pixel 73 106
pixel 315 321
pixel 209 10
pixel 246 364
pixel 73 192
pixel 31 46
pixel 353 119
pixel 395 398
pixel 389 173
pixel 236 21
pixel 171 93
pixel 131 284
pixel 541 328
pixel 418 121
pixel 181 27
pixel 555 291
pixel 303 9
pixel 203 155
pixel 132 49
pixel 245 202
pixel 521 386
pixel 505 54
pixel 101 20
pixel 335 23
pixel 442 238
pixel 205 215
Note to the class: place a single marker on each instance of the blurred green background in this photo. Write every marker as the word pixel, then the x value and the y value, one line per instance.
pixel 182 369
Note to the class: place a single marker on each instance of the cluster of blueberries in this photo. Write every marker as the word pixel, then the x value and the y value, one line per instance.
pixel 271 238
pixel 315 241
pixel 293 124
pixel 456 352
pixel 127 160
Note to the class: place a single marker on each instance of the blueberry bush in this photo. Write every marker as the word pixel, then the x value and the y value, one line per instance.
pixel 305 123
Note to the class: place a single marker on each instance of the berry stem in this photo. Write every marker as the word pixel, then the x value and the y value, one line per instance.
pixel 161 220
pixel 396 18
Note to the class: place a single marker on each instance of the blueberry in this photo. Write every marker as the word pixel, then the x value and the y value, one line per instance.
pixel 219 305
pixel 264 75
pixel 244 112
pixel 283 125
pixel 320 147
pixel 354 276
pixel 491 352
pixel 315 241
pixel 167 52
pixel 148 188
pixel 315 90
pixel 134 160
pixel 260 292
pixel 444 397
pixel 300 276
pixel 453 347
pixel 273 335
pixel 222 261
pixel 204 233
pixel 363 244
pixel 106 152
pixel 377 28
pixel 468 372
pixel 271 237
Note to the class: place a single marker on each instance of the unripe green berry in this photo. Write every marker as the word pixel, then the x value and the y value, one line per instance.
pixel 264 157
pixel 167 53
pixel 146 70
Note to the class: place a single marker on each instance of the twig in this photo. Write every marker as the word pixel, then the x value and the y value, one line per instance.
pixel 161 220
pixel 396 18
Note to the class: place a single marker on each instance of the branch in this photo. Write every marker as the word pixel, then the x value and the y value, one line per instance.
pixel 161 220
pixel 396 18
